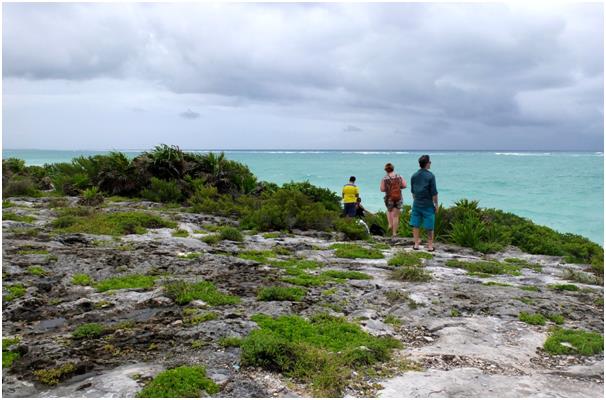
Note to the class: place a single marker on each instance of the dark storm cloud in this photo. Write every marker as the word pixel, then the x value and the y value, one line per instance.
pixel 461 68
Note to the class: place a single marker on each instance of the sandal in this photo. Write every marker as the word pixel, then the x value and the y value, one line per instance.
pixel 431 250
pixel 415 247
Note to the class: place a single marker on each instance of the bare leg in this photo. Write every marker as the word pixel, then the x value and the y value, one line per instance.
pixel 389 220
pixel 395 220
pixel 415 235
pixel 430 239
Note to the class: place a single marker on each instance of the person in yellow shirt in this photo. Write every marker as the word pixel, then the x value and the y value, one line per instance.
pixel 350 195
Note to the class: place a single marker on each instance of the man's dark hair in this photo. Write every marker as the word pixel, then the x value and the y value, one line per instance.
pixel 352 178
pixel 423 160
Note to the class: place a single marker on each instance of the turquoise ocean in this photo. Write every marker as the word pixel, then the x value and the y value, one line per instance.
pixel 562 190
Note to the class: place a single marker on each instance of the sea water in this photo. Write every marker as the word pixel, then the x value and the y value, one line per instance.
pixel 562 190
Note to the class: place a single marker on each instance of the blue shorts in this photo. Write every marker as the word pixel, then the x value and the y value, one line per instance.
pixel 423 216
pixel 350 209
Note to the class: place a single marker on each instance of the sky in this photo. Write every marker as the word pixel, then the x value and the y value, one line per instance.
pixel 303 76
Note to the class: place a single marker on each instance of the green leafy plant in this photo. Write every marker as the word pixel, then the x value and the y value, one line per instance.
pixel 135 281
pixel 532 319
pixel 410 274
pixel 183 381
pixel 280 293
pixel 231 233
pixel 88 331
pixel 184 292
pixel 82 280
pixel 568 341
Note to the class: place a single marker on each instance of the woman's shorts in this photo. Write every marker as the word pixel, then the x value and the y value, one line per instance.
pixel 390 204
pixel 423 216
pixel 350 209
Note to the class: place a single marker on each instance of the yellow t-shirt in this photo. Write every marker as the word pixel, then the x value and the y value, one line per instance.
pixel 350 193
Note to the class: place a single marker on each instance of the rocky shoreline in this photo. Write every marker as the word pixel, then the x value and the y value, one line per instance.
pixel 461 333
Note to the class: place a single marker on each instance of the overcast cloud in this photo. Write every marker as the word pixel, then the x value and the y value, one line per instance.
pixel 355 76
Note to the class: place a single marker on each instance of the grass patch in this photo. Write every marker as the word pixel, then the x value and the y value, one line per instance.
pixel 37 270
pixel 231 233
pixel 233 341
pixel 183 381
pixel 126 282
pixel 211 239
pixel 199 318
pixel 271 235
pixel 190 256
pixel 26 251
pixel 14 291
pixel 532 319
pixel 7 204
pixel 348 250
pixel 410 274
pixel 345 274
pixel 408 259
pixel 567 341
pixel 52 376
pixel 524 264
pixel 180 233
pixel 10 216
pixel 529 288
pixel 88 331
pixel 9 357
pixel 564 287
pixel 279 293
pixel 485 267
pixel 115 224
pixel 307 280
pixel 260 256
pixel 392 320
pixel 454 313
pixel 556 318
pixel 321 351
pixel 582 277
pixel 491 283
pixel 184 292
pixel 82 280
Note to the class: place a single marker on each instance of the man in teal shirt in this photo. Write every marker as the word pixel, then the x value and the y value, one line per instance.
pixel 425 202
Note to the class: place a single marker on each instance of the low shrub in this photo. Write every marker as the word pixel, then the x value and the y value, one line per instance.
pixel 532 319
pixel 91 197
pixel 20 186
pixel 279 293
pixel 408 259
pixel 211 239
pixel 556 318
pixel 88 331
pixel 353 228
pixel 307 350
pixel 347 250
pixel 233 341
pixel 183 381
pixel 231 233
pixel 163 191
pixel 581 277
pixel 126 282
pixel 411 274
pixel 578 342
pixel 82 280
pixel 52 376
pixel 485 267
pixel 184 292
pixel 121 223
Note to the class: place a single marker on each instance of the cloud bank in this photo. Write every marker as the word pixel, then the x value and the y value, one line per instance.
pixel 422 76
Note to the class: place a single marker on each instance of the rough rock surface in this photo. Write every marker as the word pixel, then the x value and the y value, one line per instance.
pixel 484 351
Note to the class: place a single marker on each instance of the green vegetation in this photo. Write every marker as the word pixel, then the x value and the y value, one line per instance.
pixel 411 274
pixel 257 255
pixel 9 357
pixel 352 228
pixel 455 313
pixel 408 259
pixel 556 318
pixel 485 267
pixel 230 341
pixel 529 288
pixel 348 250
pixel 199 318
pixel 14 291
pixel 211 239
pixel 567 341
pixel 52 376
pixel 321 351
pixel 271 235
pixel 37 270
pixel 88 331
pixel 532 319
pixel 190 256
pixel 10 216
pixel 524 264
pixel 7 204
pixel 279 293
pixel 491 283
pixel 345 274
pixel 561 287
pixel 582 277
pixel 82 280
pixel 126 282
pixel 104 223
pixel 304 279
pixel 392 320
pixel 31 250
pixel 231 233
pixel 183 381
pixel 184 292
pixel 180 233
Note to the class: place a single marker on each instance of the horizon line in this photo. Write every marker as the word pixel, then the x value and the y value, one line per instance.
pixel 325 150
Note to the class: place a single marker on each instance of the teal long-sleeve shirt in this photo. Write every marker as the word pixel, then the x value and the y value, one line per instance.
pixel 423 188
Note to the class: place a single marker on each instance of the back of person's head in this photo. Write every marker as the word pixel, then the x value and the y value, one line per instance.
pixel 423 160
pixel 388 167
pixel 352 178
pixel 358 200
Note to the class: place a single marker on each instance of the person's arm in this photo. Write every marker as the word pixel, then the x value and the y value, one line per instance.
pixel 382 186
pixel 402 183
pixel 412 188
pixel 434 192
pixel 357 192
